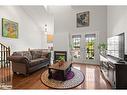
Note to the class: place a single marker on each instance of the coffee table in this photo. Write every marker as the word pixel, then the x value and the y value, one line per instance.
pixel 63 69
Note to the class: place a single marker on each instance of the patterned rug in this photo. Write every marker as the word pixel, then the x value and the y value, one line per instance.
pixel 77 79
pixel 58 76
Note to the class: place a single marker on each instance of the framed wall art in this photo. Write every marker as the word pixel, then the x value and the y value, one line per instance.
pixel 83 19
pixel 9 28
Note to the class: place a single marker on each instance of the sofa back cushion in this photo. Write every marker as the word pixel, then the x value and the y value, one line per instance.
pixel 45 54
pixel 36 54
pixel 26 54
pixel 39 53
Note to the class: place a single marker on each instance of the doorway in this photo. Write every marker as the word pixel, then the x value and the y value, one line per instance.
pixel 84 48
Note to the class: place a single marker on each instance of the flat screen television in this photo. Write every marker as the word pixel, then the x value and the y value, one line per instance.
pixel 116 45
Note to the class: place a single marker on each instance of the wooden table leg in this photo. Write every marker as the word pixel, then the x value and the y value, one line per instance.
pixel 64 75
pixel 50 73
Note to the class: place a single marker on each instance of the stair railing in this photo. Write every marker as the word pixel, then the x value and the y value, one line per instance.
pixel 5 67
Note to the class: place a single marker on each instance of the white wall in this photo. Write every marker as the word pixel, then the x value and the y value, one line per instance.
pixel 31 34
pixel 117 21
pixel 65 24
pixel 50 28
pixel 98 20
pixel 61 41
pixel 41 17
pixel 62 26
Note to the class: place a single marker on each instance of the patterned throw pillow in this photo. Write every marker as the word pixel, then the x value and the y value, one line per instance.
pixel 39 53
pixel 36 54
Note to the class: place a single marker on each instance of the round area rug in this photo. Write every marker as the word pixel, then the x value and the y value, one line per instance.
pixel 77 79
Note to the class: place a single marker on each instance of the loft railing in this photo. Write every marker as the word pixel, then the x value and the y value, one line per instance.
pixel 5 67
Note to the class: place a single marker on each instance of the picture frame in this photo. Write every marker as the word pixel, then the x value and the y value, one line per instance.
pixel 9 28
pixel 82 19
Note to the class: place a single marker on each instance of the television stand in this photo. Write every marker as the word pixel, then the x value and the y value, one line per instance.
pixel 114 71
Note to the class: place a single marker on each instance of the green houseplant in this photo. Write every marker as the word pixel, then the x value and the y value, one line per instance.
pixel 61 60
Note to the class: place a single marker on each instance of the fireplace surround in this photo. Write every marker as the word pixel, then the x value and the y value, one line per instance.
pixel 58 54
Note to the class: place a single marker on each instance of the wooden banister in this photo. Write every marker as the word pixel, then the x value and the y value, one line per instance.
pixel 4 53
pixel 5 66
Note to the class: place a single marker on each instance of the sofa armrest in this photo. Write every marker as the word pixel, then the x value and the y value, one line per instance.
pixel 18 59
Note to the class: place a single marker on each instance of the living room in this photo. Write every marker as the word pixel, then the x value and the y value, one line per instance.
pixel 56 29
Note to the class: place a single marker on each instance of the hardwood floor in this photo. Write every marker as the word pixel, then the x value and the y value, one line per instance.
pixel 93 79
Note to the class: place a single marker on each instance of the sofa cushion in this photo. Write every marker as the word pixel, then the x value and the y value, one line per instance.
pixel 38 61
pixel 39 53
pixel 45 50
pixel 36 54
pixel 45 54
pixel 26 54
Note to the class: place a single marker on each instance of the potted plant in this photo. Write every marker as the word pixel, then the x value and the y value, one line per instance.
pixel 102 48
pixel 61 60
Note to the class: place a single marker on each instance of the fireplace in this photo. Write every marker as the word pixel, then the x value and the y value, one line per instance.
pixel 58 54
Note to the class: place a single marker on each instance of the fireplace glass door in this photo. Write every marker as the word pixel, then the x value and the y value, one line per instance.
pixel 60 55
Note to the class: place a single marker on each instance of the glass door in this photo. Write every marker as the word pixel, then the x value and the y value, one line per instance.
pixel 84 48
pixel 90 48
pixel 76 46
pixel 90 44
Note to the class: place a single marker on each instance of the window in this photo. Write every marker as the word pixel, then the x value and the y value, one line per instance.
pixel 90 42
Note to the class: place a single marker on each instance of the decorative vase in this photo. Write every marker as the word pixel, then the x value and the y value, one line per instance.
pixel 61 63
